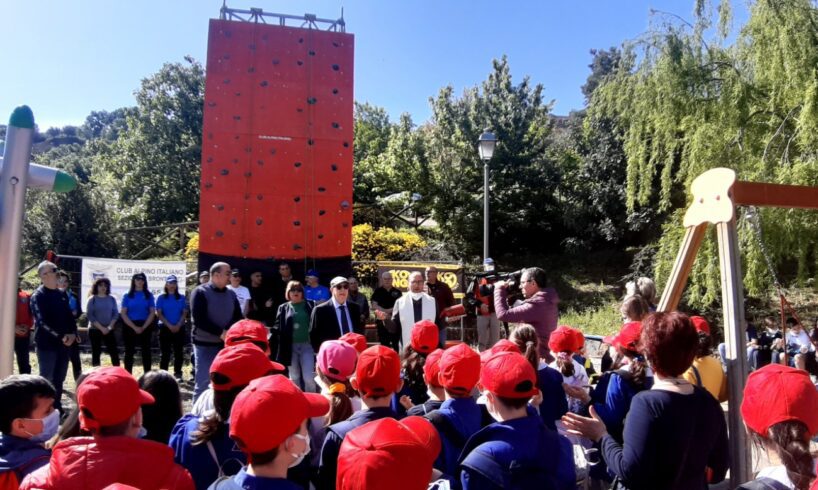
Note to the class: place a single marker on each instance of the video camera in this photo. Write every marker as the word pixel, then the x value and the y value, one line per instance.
pixel 485 282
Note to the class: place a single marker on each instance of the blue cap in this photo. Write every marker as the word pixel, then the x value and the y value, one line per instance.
pixel 171 278
pixel 312 273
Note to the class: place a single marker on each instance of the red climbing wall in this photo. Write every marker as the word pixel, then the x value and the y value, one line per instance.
pixel 277 143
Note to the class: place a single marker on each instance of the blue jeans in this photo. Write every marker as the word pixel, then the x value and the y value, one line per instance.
pixel 201 374
pixel 54 367
pixel 302 367
pixel 442 333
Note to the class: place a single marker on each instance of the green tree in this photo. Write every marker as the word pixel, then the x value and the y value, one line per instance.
pixel 153 172
pixel 688 100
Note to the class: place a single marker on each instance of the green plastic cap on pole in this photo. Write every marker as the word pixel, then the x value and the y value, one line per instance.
pixel 22 117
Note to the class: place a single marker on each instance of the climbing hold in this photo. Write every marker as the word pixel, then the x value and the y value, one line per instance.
pixel 297 164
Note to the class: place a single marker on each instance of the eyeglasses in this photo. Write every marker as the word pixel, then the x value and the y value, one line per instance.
pixel 342 286
pixel 299 291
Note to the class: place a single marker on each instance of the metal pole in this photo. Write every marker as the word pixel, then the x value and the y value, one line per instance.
pixel 13 180
pixel 485 209
pixel 732 295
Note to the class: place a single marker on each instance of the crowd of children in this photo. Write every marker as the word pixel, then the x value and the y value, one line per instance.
pixel 430 418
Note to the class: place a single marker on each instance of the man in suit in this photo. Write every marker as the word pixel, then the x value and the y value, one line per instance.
pixel 334 318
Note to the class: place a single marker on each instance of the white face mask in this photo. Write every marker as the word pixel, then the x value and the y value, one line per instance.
pixel 491 411
pixel 416 296
pixel 300 457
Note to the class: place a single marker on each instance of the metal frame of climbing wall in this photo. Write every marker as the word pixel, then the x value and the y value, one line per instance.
pixel 277 144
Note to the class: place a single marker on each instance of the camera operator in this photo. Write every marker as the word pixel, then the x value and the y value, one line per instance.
pixel 538 310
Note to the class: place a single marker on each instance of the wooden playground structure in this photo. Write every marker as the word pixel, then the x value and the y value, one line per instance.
pixel 716 194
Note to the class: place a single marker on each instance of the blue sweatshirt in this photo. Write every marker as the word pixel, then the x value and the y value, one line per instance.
pixel 670 438
pixel 462 415
pixel 197 459
pixel 554 403
pixel 53 318
pixel 518 454
pixel 21 455
pixel 328 466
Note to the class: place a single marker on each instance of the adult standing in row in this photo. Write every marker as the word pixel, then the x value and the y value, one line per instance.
pixel 539 309
pixel 334 318
pixel 64 285
pixel 172 311
pixel 54 327
pixel 242 293
pixel 444 298
pixel 213 308
pixel 359 299
pixel 383 300
pixel 292 334
pixel 138 313
pixel 413 307
pixel 279 286
pixel 102 314
pixel 22 330
pixel 262 303
pixel 314 291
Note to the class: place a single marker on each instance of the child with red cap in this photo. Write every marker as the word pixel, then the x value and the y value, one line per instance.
pixel 780 411
pixel 334 366
pixel 202 444
pixel 424 339
pixel 241 332
pixel 459 416
pixel 110 408
pixel 706 370
pixel 517 451
pixel 389 454
pixel 563 343
pixel 377 378
pixel 431 376
pixel 268 423
pixel 554 403
pixel 355 340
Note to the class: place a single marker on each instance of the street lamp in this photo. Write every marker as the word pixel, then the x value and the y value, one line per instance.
pixel 485 147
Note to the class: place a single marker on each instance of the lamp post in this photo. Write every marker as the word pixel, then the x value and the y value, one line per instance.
pixel 485 147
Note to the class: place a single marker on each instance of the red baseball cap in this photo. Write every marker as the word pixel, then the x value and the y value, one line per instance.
pixel 502 345
pixel 336 359
pixel 563 339
pixel 378 372
pixel 355 340
pixel 425 336
pixel 237 365
pixel 701 324
pixel 629 336
pixel 387 453
pixel 244 331
pixel 509 375
pixel 431 368
pixel 777 393
pixel 579 339
pixel 269 410
pixel 109 396
pixel 459 369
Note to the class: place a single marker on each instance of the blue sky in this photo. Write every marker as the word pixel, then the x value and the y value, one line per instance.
pixel 65 59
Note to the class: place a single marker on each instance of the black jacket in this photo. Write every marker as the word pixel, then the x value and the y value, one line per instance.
pixel 324 323
pixel 281 334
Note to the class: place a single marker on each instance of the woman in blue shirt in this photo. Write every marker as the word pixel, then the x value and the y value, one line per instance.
pixel 138 313
pixel 172 311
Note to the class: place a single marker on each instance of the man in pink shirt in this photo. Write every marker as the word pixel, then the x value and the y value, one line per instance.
pixel 538 310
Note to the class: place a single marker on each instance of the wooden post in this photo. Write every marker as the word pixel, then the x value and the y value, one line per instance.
pixel 674 288
pixel 732 294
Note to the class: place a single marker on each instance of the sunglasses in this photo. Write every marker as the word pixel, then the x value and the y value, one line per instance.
pixel 342 286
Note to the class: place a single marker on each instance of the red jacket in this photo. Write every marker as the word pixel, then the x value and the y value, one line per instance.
pixel 87 463
pixel 24 311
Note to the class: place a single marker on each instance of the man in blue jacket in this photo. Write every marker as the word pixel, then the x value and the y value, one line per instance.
pixel 517 451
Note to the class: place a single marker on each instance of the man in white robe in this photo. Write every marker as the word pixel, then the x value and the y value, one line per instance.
pixel 413 307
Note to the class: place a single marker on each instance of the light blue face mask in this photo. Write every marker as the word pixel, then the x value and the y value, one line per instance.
pixel 142 433
pixel 51 424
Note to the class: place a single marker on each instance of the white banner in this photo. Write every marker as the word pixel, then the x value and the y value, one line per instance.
pixel 119 272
